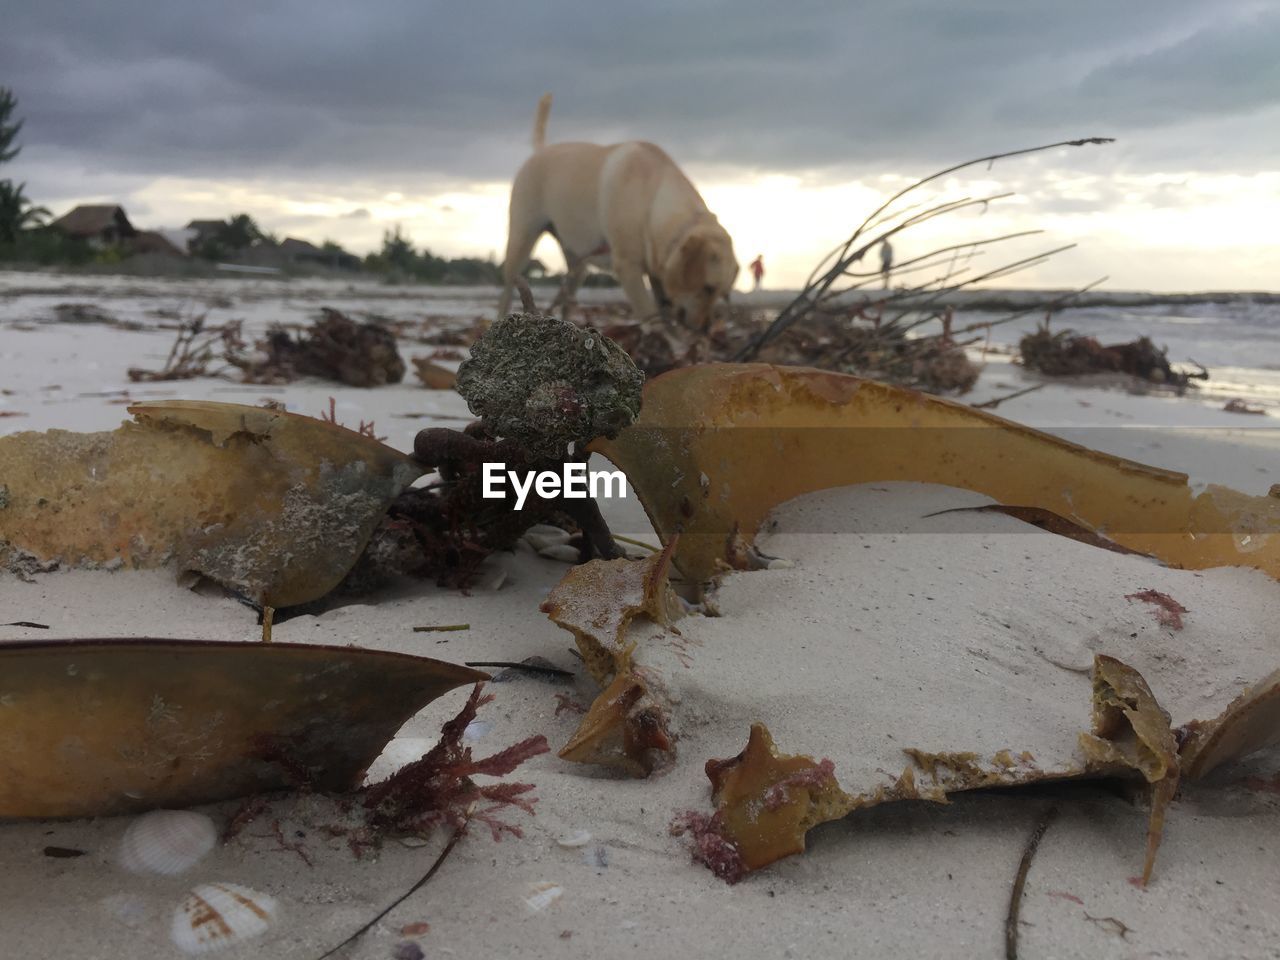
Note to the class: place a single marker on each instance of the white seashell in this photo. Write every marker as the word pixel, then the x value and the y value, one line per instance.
pixel 167 842
pixel 548 530
pixel 491 579
pixel 218 915
pixel 476 729
pixel 781 563
pixel 562 552
pixel 579 838
pixel 543 896
pixel 540 536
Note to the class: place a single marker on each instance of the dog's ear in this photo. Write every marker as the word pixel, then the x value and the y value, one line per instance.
pixel 693 262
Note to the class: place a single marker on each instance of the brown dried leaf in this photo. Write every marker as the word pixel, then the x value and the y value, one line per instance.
pixel 102 727
pixel 717 446
pixel 273 505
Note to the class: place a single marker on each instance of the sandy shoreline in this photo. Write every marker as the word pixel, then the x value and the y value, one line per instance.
pixel 928 607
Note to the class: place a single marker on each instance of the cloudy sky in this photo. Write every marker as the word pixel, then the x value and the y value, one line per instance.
pixel 338 120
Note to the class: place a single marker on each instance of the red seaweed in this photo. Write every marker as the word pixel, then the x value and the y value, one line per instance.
pixel 438 789
pixel 710 845
pixel 1168 611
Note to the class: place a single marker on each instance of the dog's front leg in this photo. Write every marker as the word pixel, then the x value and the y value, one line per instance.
pixel 567 297
pixel 631 275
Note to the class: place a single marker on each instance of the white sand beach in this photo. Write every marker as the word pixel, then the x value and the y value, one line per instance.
pixel 958 632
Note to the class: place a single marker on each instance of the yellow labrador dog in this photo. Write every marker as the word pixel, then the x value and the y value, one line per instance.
pixel 626 208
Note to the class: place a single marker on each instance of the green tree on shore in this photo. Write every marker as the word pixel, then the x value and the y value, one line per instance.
pixel 398 258
pixel 237 233
pixel 17 213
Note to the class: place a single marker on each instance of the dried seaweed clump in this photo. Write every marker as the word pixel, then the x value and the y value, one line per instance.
pixel 546 383
pixel 438 789
pixel 334 347
pixel 848 339
pixel 1067 353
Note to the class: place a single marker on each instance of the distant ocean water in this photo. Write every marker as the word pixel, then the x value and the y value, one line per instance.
pixel 1239 332
pixel 1237 337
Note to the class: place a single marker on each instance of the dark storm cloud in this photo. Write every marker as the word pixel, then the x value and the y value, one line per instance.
pixel 1226 69
pixel 426 93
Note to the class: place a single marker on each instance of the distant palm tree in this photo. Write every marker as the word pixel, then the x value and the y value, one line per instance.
pixel 8 131
pixel 16 212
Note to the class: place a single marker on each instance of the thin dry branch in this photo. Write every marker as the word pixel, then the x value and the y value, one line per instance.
pixel 194 350
pixel 821 288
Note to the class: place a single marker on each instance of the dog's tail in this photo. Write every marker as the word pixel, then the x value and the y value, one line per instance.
pixel 540 121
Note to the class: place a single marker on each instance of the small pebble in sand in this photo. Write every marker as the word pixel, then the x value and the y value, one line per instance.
pixel 407 950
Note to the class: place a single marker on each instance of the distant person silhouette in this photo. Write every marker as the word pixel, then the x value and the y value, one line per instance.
pixel 757 271
pixel 886 261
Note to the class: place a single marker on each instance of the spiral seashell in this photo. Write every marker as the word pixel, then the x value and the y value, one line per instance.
pixel 218 915
pixel 168 842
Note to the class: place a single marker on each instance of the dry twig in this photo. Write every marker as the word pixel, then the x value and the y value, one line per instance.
pixel 1020 882
pixel 827 282
pixel 434 869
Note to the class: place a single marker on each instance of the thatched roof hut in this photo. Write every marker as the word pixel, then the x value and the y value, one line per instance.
pixel 99 223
